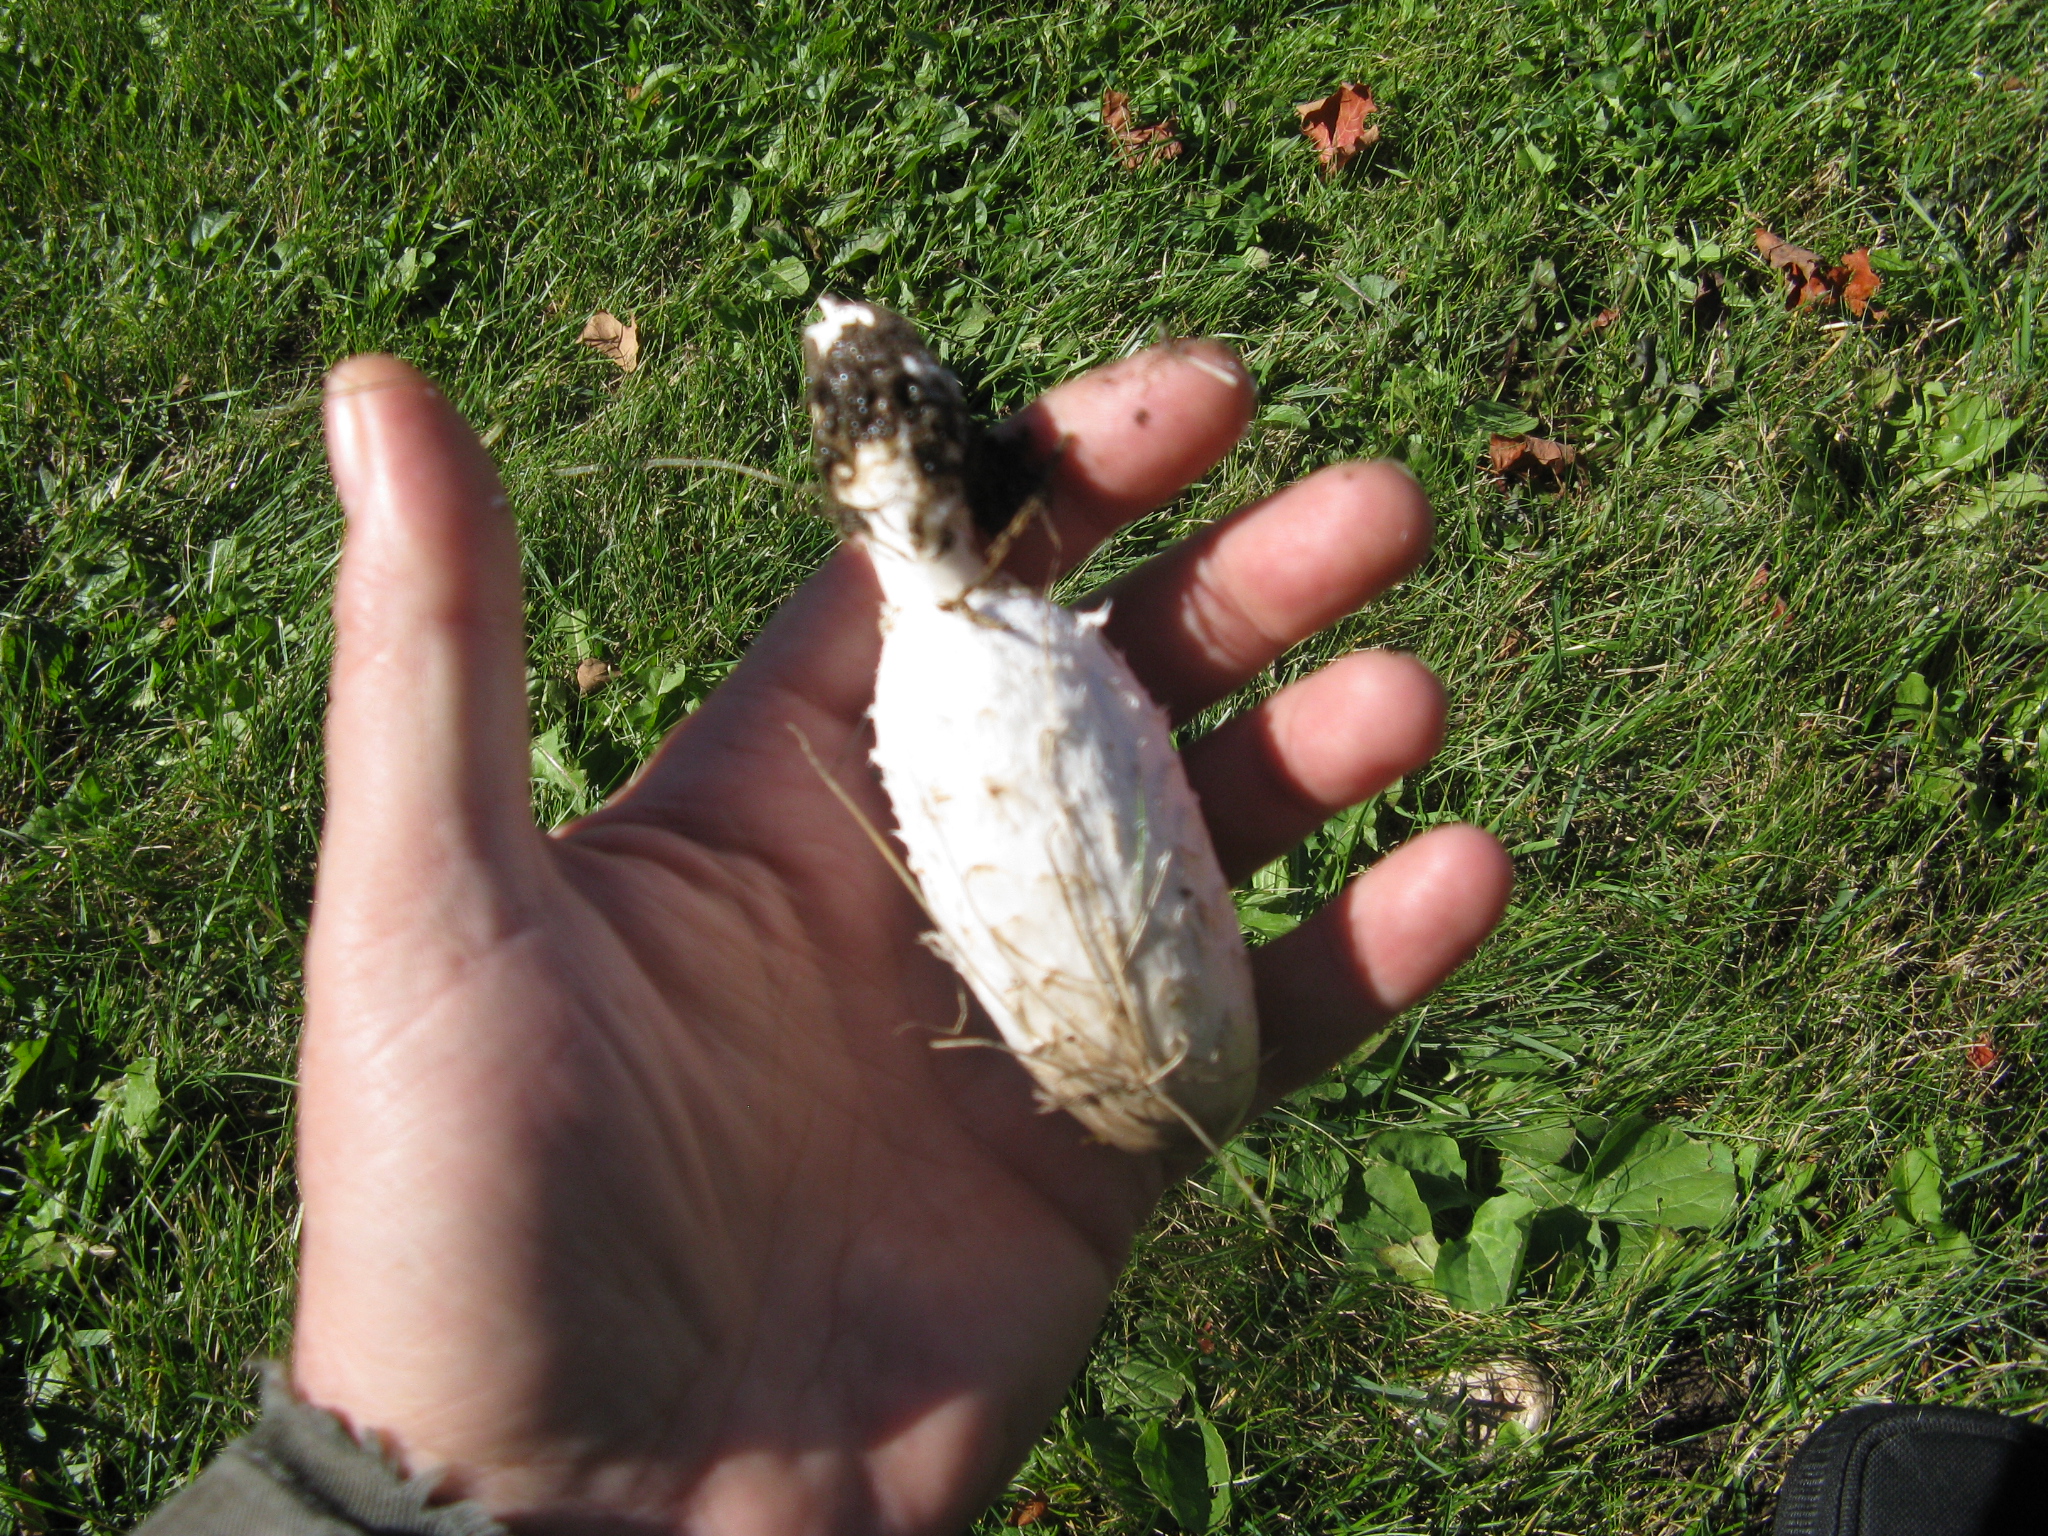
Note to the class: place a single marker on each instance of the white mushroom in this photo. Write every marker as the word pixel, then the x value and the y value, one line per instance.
pixel 1054 840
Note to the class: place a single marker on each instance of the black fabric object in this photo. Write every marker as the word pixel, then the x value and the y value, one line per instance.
pixel 299 1472
pixel 1898 1470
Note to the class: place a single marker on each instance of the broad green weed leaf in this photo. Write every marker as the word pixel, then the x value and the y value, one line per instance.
pixel 1317 1174
pixel 1971 432
pixel 23 1056
pixel 552 764
pixel 1655 1174
pixel 1491 416
pixel 1146 1384
pixel 1878 389
pixel 787 278
pixel 1258 908
pixel 1414 1261
pixel 134 1097
pixel 1643 1253
pixel 1546 1184
pixel 1435 1161
pixel 2026 488
pixel 1557 1238
pixel 1384 1206
pixel 1544 1140
pixel 39 1070
pixel 86 802
pixel 1216 1461
pixel 739 206
pixel 1108 1443
pixel 1916 1186
pixel 871 242
pixel 1968 434
pixel 1478 1271
pixel 1788 1190
pixel 2027 614
pixel 1267 924
pixel 1173 1459
pixel 1615 1143
pixel 1384 1222
pixel 666 696
pixel 1238 1167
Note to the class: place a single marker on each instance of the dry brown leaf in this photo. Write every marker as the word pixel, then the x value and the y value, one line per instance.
pixel 1982 1053
pixel 1859 282
pixel 1336 126
pixel 1809 280
pixel 1805 275
pixel 610 337
pixel 592 674
pixel 1605 318
pixel 1530 460
pixel 1030 1512
pixel 1138 146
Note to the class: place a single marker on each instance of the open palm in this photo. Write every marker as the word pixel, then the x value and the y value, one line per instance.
pixel 636 1194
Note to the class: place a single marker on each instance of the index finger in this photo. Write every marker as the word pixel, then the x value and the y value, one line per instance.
pixel 1123 440
pixel 1116 442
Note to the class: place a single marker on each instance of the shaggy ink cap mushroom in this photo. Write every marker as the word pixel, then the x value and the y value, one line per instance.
pixel 1043 813
pixel 871 379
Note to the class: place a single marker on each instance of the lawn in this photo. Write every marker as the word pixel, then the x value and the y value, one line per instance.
pixel 1753 688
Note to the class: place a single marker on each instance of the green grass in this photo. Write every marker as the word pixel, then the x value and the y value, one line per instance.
pixel 1756 699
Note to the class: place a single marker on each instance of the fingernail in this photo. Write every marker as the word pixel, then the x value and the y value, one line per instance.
pixel 1219 362
pixel 367 372
pixel 351 390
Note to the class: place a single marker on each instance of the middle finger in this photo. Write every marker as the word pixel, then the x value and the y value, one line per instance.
pixel 1202 619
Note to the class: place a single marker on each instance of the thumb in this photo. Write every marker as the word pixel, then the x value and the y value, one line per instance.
pixel 427 757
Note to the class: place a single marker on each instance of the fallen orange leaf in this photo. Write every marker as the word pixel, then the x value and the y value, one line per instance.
pixel 1138 146
pixel 1030 1512
pixel 1336 126
pixel 1804 273
pixel 1528 458
pixel 608 336
pixel 1982 1053
pixel 1859 282
pixel 1809 280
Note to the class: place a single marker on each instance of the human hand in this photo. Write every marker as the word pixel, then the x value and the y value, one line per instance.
pixel 635 1195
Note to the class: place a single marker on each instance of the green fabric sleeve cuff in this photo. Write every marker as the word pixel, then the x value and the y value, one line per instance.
pixel 300 1473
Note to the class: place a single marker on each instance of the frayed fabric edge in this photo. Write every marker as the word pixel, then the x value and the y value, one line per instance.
pixel 300 1472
